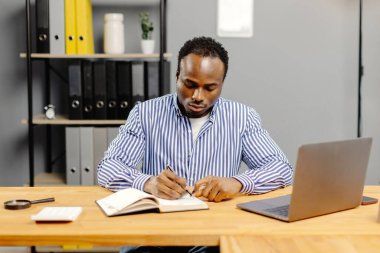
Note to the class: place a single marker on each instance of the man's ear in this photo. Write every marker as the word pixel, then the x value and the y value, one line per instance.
pixel 177 75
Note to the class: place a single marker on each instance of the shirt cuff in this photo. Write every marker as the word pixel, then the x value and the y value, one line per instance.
pixel 140 181
pixel 247 185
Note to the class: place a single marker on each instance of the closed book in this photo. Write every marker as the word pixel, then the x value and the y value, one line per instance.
pixel 124 88
pixel 100 146
pixel 57 26
pixel 84 30
pixel 70 27
pixel 72 135
pixel 88 93
pixel 112 132
pixel 137 82
pixel 75 90
pixel 100 90
pixel 111 90
pixel 42 29
pixel 87 156
pixel 131 200
pixel 151 79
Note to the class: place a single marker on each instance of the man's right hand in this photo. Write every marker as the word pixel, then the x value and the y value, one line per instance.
pixel 166 185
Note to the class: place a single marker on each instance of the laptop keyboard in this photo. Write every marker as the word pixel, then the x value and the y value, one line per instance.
pixel 279 210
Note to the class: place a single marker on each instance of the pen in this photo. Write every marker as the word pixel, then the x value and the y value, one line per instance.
pixel 170 168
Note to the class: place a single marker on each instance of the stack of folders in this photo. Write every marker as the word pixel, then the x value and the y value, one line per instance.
pixel 85 147
pixel 109 89
pixel 64 26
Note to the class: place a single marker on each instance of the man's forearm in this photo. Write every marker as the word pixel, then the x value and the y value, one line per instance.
pixel 272 176
pixel 115 176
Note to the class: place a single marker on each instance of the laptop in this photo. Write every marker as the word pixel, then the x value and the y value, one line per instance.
pixel 329 177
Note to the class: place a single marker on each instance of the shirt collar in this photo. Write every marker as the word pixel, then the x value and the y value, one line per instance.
pixel 179 113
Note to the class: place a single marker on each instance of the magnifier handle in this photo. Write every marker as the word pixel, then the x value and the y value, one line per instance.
pixel 42 200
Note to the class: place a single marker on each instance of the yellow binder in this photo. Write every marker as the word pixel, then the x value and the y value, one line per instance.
pixel 70 27
pixel 85 39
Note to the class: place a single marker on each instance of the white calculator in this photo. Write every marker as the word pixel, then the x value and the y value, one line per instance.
pixel 57 213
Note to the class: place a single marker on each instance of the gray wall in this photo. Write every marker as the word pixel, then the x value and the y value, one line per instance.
pixel 13 96
pixel 371 84
pixel 299 71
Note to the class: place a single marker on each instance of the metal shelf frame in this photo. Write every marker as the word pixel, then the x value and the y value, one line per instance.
pixel 29 66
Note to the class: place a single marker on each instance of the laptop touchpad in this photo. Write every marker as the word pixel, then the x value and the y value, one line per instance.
pixel 264 204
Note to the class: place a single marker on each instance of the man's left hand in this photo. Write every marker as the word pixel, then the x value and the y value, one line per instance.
pixel 217 188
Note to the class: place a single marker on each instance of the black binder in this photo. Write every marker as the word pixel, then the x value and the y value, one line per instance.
pixel 137 82
pixel 151 80
pixel 124 88
pixel 88 94
pixel 75 90
pixel 42 26
pixel 165 86
pixel 111 90
pixel 100 91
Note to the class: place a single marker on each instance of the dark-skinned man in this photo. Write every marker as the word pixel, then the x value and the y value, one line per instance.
pixel 201 136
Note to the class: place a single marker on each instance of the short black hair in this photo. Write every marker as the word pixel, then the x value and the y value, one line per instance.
pixel 203 46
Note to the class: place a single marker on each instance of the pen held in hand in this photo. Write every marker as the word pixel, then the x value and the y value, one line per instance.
pixel 170 168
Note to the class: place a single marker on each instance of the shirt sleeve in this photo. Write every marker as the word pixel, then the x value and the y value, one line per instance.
pixel 118 170
pixel 268 166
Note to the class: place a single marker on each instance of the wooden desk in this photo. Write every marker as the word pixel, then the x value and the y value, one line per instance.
pixel 204 227
pixel 299 244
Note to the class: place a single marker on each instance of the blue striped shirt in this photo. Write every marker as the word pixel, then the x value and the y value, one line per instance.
pixel 156 133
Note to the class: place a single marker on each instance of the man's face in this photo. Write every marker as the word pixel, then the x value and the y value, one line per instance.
pixel 199 84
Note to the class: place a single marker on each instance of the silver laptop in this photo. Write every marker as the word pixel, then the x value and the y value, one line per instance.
pixel 329 177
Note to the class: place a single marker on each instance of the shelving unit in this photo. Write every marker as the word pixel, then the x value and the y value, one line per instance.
pixel 62 120
pixel 96 56
pixel 36 120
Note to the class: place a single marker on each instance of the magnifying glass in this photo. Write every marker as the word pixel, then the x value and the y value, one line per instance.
pixel 17 204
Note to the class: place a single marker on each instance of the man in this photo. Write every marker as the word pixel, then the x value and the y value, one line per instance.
pixel 195 138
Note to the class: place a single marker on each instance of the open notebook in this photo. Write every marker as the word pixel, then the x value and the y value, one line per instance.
pixel 131 200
